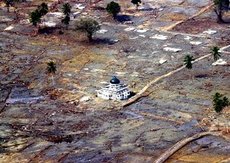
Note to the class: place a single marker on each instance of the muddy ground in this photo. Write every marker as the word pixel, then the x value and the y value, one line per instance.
pixel 64 121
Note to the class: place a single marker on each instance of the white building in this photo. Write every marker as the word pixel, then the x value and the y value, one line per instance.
pixel 114 90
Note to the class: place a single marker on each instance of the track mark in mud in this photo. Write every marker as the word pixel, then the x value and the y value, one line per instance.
pixel 42 152
pixel 26 146
pixel 4 106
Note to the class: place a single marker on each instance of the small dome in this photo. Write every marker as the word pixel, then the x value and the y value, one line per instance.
pixel 114 80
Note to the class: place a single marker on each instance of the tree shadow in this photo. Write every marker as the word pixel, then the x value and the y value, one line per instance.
pixel 132 94
pixel 48 30
pixel 226 20
pixel 147 9
pixel 107 41
pixel 123 18
pixel 99 8
pixel 2 148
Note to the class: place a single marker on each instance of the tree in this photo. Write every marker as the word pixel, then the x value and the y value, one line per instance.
pixel 66 9
pixel 66 20
pixel 113 8
pixel 43 9
pixel 87 25
pixel 215 52
pixel 219 102
pixel 51 69
pixel 188 61
pixel 136 2
pixel 35 18
pixel 220 7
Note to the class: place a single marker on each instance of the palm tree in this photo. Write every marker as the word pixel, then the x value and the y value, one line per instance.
pixel 51 69
pixel 43 9
pixel 136 2
pixel 35 17
pixel 188 61
pixel 66 9
pixel 215 53
pixel 221 6
pixel 66 21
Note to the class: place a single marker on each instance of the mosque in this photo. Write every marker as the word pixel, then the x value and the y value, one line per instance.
pixel 114 90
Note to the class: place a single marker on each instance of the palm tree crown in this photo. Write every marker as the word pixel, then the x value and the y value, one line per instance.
pixel 188 61
pixel 35 17
pixel 51 67
pixel 66 8
pixel 215 53
pixel 43 9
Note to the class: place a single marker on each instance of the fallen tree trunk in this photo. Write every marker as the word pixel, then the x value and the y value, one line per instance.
pixel 181 144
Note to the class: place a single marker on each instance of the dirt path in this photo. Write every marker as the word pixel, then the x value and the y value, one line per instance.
pixel 222 50
pixel 142 92
pixel 164 157
pixel 167 28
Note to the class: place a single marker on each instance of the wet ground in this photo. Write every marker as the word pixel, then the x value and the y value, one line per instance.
pixel 66 122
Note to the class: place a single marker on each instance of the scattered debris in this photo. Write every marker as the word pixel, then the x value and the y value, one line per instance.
pixel 187 37
pixel 79 6
pixel 210 32
pixel 54 15
pixel 219 62
pixel 129 29
pixel 9 28
pixel 85 99
pixel 133 38
pixel 142 36
pixel 195 42
pixel 23 95
pixel 133 115
pixel 159 37
pixel 141 30
pixel 169 49
pixel 162 60
pixel 102 31
pixel 121 73
pixel 49 24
